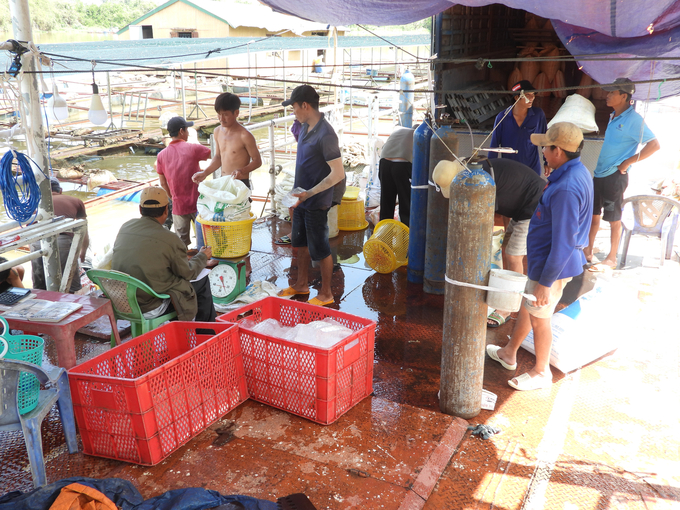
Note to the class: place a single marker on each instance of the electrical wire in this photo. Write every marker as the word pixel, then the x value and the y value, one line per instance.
pixel 219 73
pixel 391 43
pixel 20 192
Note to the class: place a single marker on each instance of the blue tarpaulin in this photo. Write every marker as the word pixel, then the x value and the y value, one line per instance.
pixel 615 28
pixel 126 497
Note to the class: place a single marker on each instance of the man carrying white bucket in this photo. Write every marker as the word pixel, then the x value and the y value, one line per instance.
pixel 518 190
pixel 558 232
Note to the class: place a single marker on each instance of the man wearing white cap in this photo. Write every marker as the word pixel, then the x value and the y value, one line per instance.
pixel 558 232
pixel 147 251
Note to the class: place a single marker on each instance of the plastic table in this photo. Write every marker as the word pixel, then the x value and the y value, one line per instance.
pixel 64 331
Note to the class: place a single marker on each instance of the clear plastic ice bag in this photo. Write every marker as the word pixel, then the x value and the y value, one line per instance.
pixel 288 200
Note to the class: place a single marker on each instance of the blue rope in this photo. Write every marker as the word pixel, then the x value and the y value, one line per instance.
pixel 22 208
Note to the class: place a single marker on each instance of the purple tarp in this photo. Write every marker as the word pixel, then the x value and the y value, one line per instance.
pixel 618 28
pixel 580 41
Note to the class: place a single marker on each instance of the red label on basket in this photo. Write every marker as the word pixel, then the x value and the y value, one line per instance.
pixel 104 399
pixel 352 352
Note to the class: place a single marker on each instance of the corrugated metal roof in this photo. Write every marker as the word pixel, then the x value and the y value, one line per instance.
pixel 122 55
pixel 241 15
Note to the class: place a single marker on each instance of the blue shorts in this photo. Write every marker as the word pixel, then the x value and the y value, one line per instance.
pixel 310 229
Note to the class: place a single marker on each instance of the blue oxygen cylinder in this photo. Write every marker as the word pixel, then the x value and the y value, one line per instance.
pixel 419 190
pixel 406 97
pixel 442 144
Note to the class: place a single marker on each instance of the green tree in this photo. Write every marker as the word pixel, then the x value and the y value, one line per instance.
pixel 5 18
pixel 44 15
pixel 48 15
pixel 119 13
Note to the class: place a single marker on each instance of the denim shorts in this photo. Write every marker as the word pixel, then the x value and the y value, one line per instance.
pixel 310 229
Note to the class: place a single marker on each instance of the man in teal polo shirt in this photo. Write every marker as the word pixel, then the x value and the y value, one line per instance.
pixel 625 132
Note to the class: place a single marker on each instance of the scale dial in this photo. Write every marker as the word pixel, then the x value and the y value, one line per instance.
pixel 223 280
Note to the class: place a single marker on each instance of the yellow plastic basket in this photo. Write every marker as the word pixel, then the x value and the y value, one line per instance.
pixel 228 239
pixel 387 249
pixel 351 193
pixel 351 215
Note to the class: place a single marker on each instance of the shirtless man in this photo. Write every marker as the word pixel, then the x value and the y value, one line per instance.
pixel 236 152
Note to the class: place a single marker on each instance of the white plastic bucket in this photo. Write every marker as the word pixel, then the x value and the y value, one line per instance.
pixel 505 280
pixel 333 222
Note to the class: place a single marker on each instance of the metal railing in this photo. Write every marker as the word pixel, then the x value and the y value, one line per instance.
pixel 38 232
pixel 133 117
pixel 272 144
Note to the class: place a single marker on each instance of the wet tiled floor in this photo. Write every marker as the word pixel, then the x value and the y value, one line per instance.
pixel 602 437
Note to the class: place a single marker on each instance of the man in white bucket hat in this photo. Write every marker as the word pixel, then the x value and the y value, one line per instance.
pixel 558 232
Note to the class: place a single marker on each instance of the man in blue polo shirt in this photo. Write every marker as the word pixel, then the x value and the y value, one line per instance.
pixel 318 168
pixel 514 128
pixel 625 132
pixel 558 232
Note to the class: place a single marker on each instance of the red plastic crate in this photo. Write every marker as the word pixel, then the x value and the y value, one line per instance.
pixel 145 398
pixel 315 383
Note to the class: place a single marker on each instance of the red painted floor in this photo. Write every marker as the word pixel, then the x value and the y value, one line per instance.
pixel 602 437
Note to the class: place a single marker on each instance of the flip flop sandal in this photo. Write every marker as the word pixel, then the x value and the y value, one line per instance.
pixel 527 383
pixel 290 291
pixel 283 240
pixel 497 320
pixel 318 302
pixel 600 268
pixel 492 351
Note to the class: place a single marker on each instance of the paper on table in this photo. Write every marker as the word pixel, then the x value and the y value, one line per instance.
pixel 202 274
pixel 40 310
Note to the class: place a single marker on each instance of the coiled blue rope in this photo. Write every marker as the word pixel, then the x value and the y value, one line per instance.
pixel 20 192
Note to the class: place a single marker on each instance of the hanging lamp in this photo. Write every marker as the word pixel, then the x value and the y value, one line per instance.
pixel 97 114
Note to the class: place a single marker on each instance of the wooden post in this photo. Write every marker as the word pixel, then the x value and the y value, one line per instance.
pixel 35 137
pixel 471 212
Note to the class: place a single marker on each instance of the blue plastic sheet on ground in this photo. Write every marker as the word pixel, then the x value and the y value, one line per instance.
pixel 126 497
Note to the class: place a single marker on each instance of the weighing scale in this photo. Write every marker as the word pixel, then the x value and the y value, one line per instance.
pixel 227 280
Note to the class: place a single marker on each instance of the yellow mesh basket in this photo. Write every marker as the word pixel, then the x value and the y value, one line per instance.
pixel 387 249
pixel 351 193
pixel 351 215
pixel 228 239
